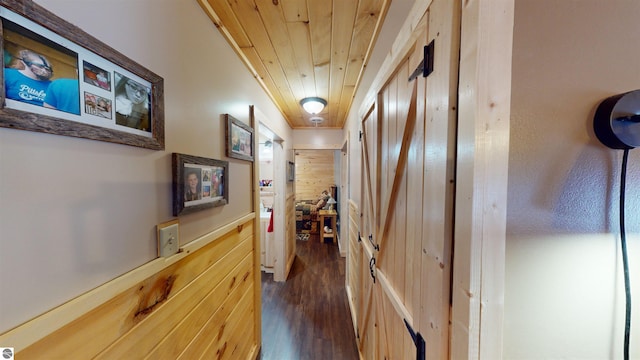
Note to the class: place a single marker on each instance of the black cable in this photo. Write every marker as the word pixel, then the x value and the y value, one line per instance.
pixel 625 260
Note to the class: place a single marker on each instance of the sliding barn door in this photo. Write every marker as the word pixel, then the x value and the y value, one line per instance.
pixel 408 159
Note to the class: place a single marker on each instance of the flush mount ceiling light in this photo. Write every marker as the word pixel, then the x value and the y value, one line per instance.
pixel 316 120
pixel 313 105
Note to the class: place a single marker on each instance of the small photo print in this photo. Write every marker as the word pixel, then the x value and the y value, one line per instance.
pixel 217 182
pixel 97 105
pixel 192 184
pixel 206 175
pixel 206 190
pixel 132 103
pixel 241 140
pixel 96 76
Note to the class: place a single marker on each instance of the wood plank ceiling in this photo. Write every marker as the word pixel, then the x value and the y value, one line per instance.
pixel 303 48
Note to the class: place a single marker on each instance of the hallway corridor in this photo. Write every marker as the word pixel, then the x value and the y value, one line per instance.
pixel 307 317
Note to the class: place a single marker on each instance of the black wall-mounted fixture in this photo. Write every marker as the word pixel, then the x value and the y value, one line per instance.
pixel 617 125
pixel 617 121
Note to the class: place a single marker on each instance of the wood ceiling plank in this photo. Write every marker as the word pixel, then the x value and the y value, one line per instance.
pixel 249 17
pixel 267 82
pixel 295 10
pixel 343 106
pixel 208 7
pixel 344 13
pixel 297 18
pixel 273 20
pixel 301 46
pixel 296 112
pixel 268 74
pixel 222 15
pixel 366 23
pixel 369 19
pixel 251 20
pixel 320 20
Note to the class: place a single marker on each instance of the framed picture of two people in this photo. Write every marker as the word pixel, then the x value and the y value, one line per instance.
pixel 60 80
pixel 198 183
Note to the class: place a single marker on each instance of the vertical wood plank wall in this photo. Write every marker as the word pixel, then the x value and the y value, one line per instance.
pixel 314 173
pixel 203 305
pixel 482 170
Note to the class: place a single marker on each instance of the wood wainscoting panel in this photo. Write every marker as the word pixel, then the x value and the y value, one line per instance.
pixel 202 304
pixel 196 323
pixel 290 232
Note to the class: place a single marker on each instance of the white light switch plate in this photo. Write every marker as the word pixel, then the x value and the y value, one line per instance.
pixel 168 240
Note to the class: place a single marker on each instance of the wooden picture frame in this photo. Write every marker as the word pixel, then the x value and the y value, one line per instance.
pixel 291 171
pixel 239 139
pixel 198 183
pixel 78 85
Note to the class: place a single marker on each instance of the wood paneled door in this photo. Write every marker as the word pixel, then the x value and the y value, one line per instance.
pixel 403 261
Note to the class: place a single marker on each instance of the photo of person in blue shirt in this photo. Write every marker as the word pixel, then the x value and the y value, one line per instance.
pixel 63 95
pixel 30 82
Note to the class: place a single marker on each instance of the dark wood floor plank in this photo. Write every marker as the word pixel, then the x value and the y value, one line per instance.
pixel 307 317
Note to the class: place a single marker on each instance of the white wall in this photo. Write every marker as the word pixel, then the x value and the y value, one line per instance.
pixel 265 168
pixel 77 213
pixel 564 290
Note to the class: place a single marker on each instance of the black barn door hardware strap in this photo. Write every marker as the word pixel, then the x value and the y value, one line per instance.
pixel 418 340
pixel 375 246
pixel 372 264
pixel 426 65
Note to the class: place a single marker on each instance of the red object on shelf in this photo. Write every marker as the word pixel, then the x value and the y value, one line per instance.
pixel 270 228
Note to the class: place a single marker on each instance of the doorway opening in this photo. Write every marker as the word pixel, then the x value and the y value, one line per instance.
pixel 272 183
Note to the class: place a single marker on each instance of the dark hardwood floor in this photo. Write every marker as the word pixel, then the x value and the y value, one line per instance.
pixel 307 317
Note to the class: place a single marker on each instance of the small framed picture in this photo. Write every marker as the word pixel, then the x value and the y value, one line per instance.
pixel 239 139
pixel 291 171
pixel 198 183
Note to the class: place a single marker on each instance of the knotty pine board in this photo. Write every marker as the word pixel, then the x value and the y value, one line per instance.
pixel 314 173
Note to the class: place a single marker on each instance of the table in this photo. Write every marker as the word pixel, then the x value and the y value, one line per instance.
pixel 330 214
